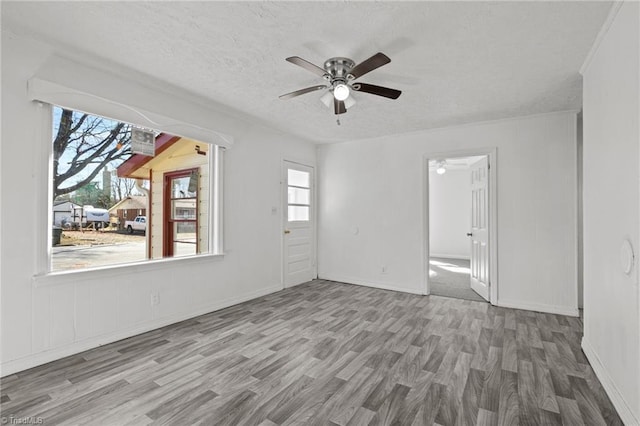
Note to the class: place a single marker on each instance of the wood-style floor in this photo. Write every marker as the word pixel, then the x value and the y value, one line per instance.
pixel 328 353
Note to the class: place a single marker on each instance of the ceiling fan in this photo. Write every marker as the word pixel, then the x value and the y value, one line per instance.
pixel 340 75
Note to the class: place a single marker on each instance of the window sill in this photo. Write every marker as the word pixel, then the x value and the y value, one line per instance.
pixel 105 272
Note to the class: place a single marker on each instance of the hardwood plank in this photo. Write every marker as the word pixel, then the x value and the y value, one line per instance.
pixel 482 352
pixel 586 401
pixel 233 411
pixel 391 407
pixel 509 412
pixel 471 398
pixel 490 398
pixel 527 399
pixel 361 417
pixel 509 351
pixel 304 405
pixel 345 411
pixel 549 418
pixel 431 407
pixel 183 413
pixel 269 404
pixel 340 406
pixel 545 392
pixel 487 418
pixel 569 411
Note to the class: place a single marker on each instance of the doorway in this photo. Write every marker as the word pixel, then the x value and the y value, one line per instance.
pixel 299 218
pixel 460 205
pixel 180 236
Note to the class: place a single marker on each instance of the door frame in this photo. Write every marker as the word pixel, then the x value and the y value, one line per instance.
pixel 167 228
pixel 492 155
pixel 283 212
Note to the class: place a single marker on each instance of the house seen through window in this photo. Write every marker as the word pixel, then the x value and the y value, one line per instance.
pixel 112 206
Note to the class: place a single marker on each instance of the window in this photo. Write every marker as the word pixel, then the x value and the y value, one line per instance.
pixel 103 193
pixel 299 193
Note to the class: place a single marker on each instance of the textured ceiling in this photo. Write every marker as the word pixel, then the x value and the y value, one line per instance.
pixel 455 62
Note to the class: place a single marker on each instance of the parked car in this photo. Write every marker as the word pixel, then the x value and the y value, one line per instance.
pixel 137 224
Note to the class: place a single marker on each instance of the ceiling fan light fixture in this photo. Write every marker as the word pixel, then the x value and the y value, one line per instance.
pixel 349 102
pixel 341 91
pixel 327 99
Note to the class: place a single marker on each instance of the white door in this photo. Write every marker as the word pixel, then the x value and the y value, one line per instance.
pixel 480 227
pixel 299 224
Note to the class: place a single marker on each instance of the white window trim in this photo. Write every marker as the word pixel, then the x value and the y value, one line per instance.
pixel 44 184
pixel 43 171
pixel 216 198
pixel 121 269
pixel 69 84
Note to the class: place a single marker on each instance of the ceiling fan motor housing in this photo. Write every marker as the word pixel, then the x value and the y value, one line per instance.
pixel 339 68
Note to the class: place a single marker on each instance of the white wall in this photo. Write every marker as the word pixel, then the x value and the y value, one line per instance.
pixel 375 187
pixel 450 213
pixel 612 211
pixel 46 319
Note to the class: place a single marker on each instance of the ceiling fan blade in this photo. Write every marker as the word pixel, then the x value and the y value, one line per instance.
pixel 307 65
pixel 376 61
pixel 339 107
pixel 302 92
pixel 377 90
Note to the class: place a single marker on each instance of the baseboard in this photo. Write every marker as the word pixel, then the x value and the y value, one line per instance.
pixel 367 283
pixel 539 307
pixel 449 256
pixel 609 385
pixel 21 364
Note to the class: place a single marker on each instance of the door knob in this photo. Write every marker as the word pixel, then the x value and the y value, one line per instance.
pixel 469 234
pixel 286 231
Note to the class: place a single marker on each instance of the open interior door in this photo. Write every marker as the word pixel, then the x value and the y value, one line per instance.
pixel 480 276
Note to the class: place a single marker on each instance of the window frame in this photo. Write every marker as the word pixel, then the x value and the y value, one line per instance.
pixel 43 166
pixel 288 204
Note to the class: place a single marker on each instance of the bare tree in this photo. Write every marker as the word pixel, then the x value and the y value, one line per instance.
pixel 122 188
pixel 83 145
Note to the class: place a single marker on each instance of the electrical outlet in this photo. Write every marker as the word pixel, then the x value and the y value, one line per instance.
pixel 155 299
